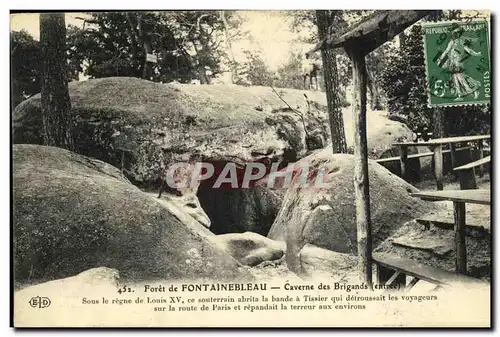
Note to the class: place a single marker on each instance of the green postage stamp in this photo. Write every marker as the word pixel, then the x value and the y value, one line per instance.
pixel 457 60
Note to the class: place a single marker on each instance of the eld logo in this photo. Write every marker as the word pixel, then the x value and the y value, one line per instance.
pixel 40 302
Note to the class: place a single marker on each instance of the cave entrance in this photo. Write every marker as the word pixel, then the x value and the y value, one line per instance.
pixel 237 210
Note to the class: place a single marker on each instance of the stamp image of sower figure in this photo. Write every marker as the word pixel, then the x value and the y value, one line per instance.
pixel 457 63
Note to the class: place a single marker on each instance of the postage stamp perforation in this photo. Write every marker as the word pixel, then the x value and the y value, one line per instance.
pixel 427 77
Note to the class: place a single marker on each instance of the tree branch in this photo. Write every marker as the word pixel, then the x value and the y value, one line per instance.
pixel 235 35
pixel 297 112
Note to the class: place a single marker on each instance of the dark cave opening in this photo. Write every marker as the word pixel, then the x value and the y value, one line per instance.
pixel 233 209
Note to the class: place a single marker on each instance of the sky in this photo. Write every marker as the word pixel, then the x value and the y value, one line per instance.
pixel 30 22
pixel 269 30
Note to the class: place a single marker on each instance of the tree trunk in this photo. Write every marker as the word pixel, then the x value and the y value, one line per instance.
pixel 202 75
pixel 56 104
pixel 141 35
pixel 375 100
pixel 133 43
pixel 439 124
pixel 234 73
pixel 331 80
pixel 147 72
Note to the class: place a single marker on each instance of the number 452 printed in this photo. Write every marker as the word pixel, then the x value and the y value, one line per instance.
pixel 457 57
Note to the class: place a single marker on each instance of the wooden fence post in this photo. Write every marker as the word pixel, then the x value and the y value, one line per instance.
pixel 403 153
pixel 460 249
pixel 438 166
pixel 361 181
pixel 453 158
pixel 481 156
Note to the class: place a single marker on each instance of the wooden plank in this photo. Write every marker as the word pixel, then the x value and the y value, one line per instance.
pixel 453 154
pixel 476 163
pixel 403 152
pixel 394 278
pixel 412 283
pixel 460 248
pixel 391 159
pixel 466 173
pixel 383 274
pixel 372 31
pixel 428 244
pixel 441 141
pixel 422 271
pixel 398 278
pixel 458 139
pixel 361 182
pixel 467 179
pixel 411 144
pixel 417 155
pixel 481 196
pixel 438 166
pixel 481 156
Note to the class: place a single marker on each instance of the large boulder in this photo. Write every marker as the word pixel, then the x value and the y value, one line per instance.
pixel 87 280
pixel 141 127
pixel 326 217
pixel 72 213
pixel 250 248
pixel 382 133
pixel 62 299
pixel 317 262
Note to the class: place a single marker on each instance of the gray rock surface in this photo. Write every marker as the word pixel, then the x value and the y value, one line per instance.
pixel 250 248
pixel 326 217
pixel 73 213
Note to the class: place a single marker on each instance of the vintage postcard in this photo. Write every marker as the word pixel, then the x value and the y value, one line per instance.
pixel 230 168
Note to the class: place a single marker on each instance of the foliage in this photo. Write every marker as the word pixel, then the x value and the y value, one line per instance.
pixel 376 61
pixel 254 70
pixel 306 20
pixel 104 46
pixel 376 64
pixel 403 81
pixel 344 69
pixel 187 43
pixel 25 66
pixel 289 74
